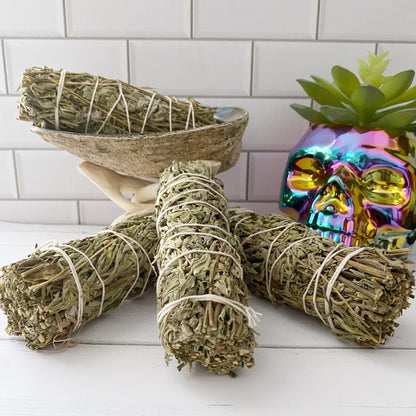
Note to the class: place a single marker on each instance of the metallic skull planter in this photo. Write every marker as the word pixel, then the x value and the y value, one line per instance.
pixel 355 186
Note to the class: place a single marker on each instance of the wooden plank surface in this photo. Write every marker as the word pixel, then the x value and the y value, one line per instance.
pixel 119 367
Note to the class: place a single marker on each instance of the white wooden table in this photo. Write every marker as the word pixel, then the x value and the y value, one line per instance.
pixel 119 368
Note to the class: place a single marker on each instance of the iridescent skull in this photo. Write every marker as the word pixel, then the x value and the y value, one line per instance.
pixel 355 186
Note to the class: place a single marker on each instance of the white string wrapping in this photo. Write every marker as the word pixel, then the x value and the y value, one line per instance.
pixel 269 252
pixel 239 222
pixel 97 79
pixel 190 224
pixel 269 279
pixel 112 108
pixel 77 283
pixel 58 97
pixel 264 231
pixel 200 251
pixel 207 188
pixel 125 106
pixel 315 279
pixel 316 276
pixel 188 178
pixel 251 315
pixel 238 211
pixel 147 112
pixel 165 210
pixel 53 245
pixel 100 311
pixel 170 112
pixel 191 110
pixel 125 238
pixel 334 278
pixel 165 240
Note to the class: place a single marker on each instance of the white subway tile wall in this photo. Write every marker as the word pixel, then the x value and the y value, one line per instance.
pixel 282 19
pixel 266 171
pixel 104 57
pixel 32 18
pixel 277 65
pixel 192 67
pixel 7 176
pixel 98 212
pixel 241 53
pixel 367 20
pixel 130 18
pixel 42 212
pixel 16 134
pixel 52 174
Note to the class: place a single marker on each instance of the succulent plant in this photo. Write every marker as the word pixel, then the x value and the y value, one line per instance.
pixel 377 101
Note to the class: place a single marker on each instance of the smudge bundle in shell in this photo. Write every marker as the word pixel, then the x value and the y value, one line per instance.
pixel 94 104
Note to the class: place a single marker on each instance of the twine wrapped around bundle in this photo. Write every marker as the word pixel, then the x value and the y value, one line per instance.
pixel 358 292
pixel 84 103
pixel 202 298
pixel 61 287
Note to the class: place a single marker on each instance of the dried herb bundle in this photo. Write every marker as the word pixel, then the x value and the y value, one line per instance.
pixel 45 301
pixel 358 292
pixel 202 298
pixel 84 103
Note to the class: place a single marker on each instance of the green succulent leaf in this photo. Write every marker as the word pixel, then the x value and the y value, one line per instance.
pixel 313 116
pixel 318 93
pixel 345 80
pixel 337 115
pixel 372 72
pixel 363 69
pixel 374 59
pixel 398 120
pixel 408 95
pixel 387 102
pixel 397 84
pixel 366 100
pixel 379 114
pixel 331 88
pixel 411 127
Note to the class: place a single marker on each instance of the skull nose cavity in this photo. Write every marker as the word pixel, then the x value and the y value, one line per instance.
pixel 333 200
pixel 377 218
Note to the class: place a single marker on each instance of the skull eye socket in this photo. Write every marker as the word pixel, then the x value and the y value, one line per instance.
pixel 306 174
pixel 385 186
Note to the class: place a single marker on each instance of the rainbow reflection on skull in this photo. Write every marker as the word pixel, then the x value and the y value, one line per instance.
pixel 355 186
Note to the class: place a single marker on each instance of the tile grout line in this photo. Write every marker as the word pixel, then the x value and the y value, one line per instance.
pixel 252 69
pixel 128 61
pixel 78 212
pixel 247 176
pixel 318 18
pixel 224 39
pixel 65 18
pixel 191 14
pixel 15 174
pixel 6 81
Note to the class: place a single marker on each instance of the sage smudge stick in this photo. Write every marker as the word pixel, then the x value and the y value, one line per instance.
pixel 85 103
pixel 59 288
pixel 202 298
pixel 358 292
